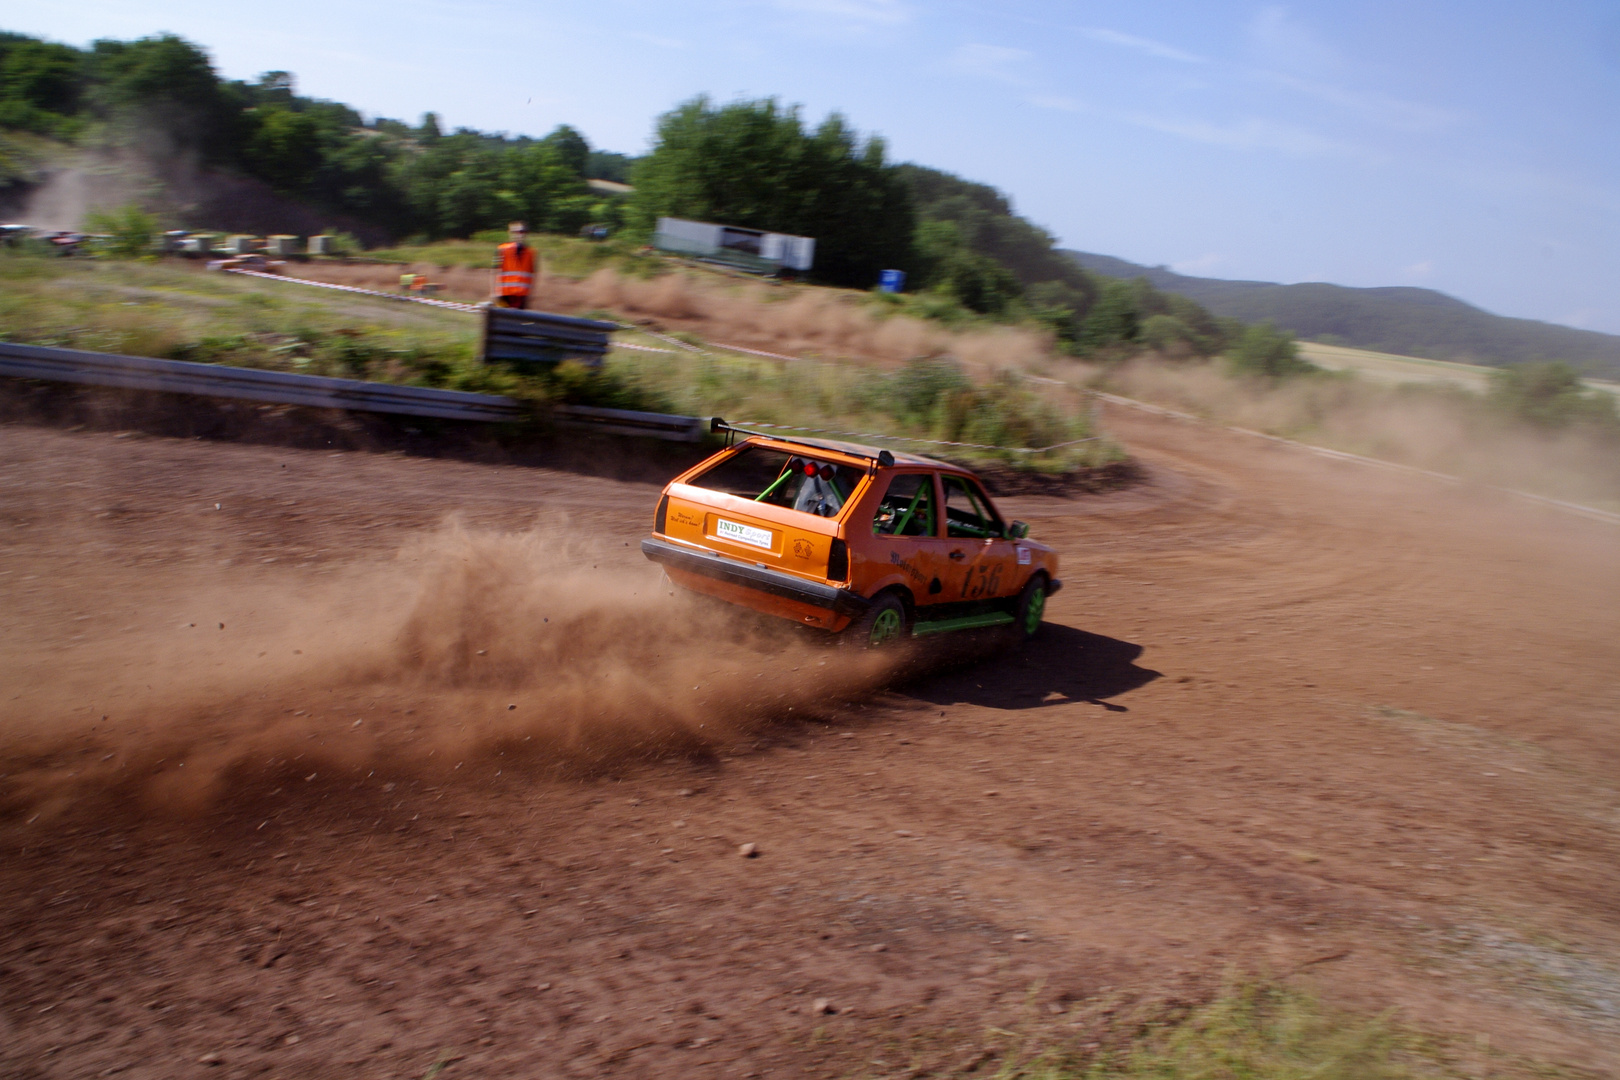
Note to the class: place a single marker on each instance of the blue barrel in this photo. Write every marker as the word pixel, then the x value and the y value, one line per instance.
pixel 891 280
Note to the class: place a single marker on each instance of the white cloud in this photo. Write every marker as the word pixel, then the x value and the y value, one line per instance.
pixel 1377 108
pixel 1276 36
pixel 864 12
pixel 1141 45
pixel 1253 133
pixel 990 62
pixel 1583 318
pixel 1199 266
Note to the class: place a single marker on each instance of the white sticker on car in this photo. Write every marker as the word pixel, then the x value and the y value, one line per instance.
pixel 1023 556
pixel 742 534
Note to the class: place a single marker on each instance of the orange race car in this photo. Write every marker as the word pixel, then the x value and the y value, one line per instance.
pixel 849 538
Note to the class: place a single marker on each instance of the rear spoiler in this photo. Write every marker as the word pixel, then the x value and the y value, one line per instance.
pixel 717 425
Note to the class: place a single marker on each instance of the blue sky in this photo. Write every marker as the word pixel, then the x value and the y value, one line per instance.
pixel 1472 148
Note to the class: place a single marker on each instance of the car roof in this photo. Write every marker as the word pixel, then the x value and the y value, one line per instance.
pixel 859 450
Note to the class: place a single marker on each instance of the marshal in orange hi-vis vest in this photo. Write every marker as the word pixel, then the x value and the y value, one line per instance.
pixel 517 270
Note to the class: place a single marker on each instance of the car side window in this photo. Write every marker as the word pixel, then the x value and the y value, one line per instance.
pixel 968 512
pixel 907 508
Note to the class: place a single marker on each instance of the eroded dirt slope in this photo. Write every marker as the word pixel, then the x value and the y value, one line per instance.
pixel 1291 716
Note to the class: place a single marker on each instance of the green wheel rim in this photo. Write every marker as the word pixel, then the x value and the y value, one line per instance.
pixel 886 627
pixel 1036 608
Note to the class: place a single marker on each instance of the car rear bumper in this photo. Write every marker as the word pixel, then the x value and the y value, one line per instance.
pixel 758 578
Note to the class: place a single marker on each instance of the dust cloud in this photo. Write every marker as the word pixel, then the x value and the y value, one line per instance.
pixel 83 182
pixel 466 652
pixel 145 164
pixel 1445 431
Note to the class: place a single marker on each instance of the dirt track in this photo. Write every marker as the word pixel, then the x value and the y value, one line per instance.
pixel 1291 716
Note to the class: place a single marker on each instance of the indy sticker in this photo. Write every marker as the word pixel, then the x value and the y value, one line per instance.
pixel 1023 556
pixel 742 534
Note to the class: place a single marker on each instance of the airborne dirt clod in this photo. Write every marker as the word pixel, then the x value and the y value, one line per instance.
pixel 1291 717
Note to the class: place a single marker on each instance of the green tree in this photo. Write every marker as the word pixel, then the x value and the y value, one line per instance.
pixel 753 164
pixel 1550 394
pixel 1166 333
pixel 40 85
pixel 1057 305
pixel 1114 318
pixel 985 221
pixel 356 178
pixel 547 190
pixel 1265 350
pixel 285 149
pixel 276 87
pixel 162 84
pixel 131 230
pixel 949 266
pixel 570 147
pixel 606 165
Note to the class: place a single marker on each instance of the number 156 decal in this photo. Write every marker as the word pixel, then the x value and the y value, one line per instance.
pixel 981 580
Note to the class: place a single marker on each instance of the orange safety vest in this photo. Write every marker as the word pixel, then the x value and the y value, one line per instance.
pixel 517 269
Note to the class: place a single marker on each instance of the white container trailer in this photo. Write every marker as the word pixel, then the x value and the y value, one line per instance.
pixel 687 237
pixel 793 252
pixel 750 248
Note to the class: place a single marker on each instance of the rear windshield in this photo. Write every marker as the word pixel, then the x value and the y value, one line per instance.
pixel 796 481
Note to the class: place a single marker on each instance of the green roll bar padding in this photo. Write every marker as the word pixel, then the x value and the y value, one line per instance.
pixel 778 482
pixel 905 518
pixel 978 511
pixel 971 530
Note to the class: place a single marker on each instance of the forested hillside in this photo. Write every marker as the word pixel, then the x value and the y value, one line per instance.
pixel 206 152
pixel 1408 321
pixel 157 106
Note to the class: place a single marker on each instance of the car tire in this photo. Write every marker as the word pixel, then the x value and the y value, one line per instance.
pixel 1031 607
pixel 885 624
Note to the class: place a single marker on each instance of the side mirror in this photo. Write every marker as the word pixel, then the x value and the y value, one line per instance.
pixel 1018 530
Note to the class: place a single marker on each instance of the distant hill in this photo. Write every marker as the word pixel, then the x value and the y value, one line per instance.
pixel 1408 321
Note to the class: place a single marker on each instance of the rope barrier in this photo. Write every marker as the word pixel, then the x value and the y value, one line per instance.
pixel 450 304
pixel 471 309
pixel 907 438
pixel 475 309
pixel 677 342
pixel 756 352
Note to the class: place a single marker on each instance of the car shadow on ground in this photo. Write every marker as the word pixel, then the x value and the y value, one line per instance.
pixel 1060 666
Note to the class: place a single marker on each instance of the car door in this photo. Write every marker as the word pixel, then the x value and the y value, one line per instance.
pixel 906 534
pixel 977 544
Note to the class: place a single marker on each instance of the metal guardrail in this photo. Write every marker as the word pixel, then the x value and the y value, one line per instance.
pixel 216 380
pixel 542 337
pixel 629 422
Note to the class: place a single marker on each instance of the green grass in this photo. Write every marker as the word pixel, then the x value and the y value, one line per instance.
pixel 173 310
pixel 177 312
pixel 1256 1032
pixel 932 401
pixel 1252 1030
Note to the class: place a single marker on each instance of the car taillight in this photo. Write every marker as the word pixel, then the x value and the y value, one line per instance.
pixel 658 518
pixel 837 561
